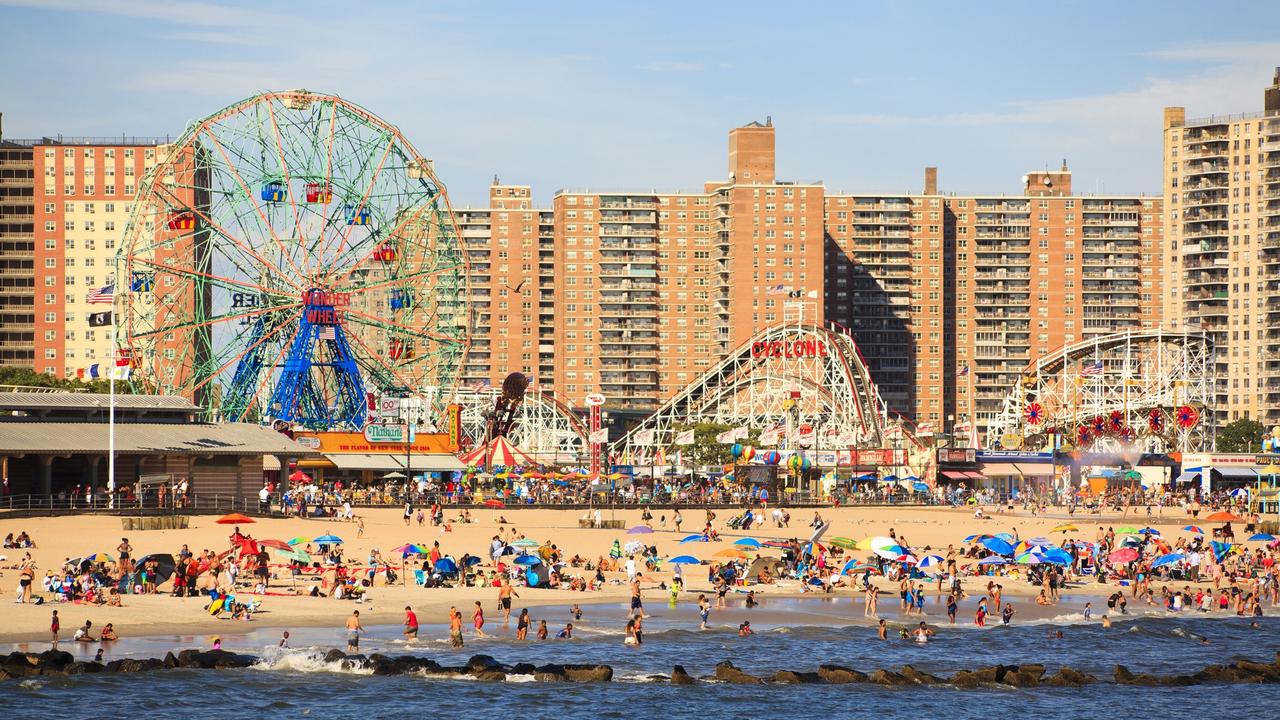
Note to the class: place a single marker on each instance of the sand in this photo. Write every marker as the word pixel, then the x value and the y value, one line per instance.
pixel 60 538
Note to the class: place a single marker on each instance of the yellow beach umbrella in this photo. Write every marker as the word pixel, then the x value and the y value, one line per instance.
pixel 1066 528
pixel 732 552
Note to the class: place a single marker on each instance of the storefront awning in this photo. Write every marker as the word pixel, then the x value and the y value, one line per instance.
pixel 1037 469
pixel 1237 473
pixel 955 474
pixel 1188 476
pixel 1000 469
pixel 421 462
pixel 975 475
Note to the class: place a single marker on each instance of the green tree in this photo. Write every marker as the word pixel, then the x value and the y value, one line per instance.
pixel 27 377
pixel 1240 436
pixel 706 450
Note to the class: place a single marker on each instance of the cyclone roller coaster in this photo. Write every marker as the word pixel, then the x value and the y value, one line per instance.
pixel 1149 390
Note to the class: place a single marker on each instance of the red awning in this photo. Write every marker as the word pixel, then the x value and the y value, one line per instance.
pixel 955 474
pixel 975 476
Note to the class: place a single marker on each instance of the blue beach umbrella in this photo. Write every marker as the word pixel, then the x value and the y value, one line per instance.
pixel 1262 537
pixel 684 560
pixel 993 560
pixel 446 565
pixel 996 545
pixel 1149 531
pixel 328 540
pixel 748 542
pixel 1168 559
pixel 528 560
pixel 929 561
pixel 695 538
pixel 1056 556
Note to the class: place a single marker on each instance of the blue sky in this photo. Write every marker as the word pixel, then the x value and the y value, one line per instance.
pixel 641 95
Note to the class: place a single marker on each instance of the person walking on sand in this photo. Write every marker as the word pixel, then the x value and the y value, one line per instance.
pixel 354 628
pixel 410 624
pixel 455 627
pixel 477 620
pixel 504 600
pixel 54 627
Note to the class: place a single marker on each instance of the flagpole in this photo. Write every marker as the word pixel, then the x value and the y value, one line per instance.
pixel 111 412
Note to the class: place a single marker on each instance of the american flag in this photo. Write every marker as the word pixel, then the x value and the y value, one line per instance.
pixel 1091 369
pixel 964 371
pixel 327 332
pixel 104 295
pixel 775 290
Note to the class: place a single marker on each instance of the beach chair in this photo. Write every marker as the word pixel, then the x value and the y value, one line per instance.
pixel 419 578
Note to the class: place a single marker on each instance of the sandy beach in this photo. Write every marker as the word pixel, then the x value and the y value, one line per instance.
pixel 60 538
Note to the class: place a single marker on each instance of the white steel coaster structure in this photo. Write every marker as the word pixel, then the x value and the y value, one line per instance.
pixel 1149 390
pixel 806 380
pixel 544 427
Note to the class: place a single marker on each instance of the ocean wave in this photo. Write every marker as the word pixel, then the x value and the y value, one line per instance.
pixel 307 661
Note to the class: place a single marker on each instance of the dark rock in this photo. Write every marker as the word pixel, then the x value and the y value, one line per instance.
pixel 523 669
pixel 680 677
pixel 1035 668
pixel 837 675
pixel 80 668
pixel 334 655
pixel 588 673
pixel 988 674
pixel 483 662
pixel 126 665
pixel 4 674
pixel 221 659
pixel 1021 679
pixel 54 659
pixel 18 664
pixel 187 658
pixel 1268 673
pixel 727 672
pixel 549 673
pixel 1070 677
pixel 353 662
pixel 1124 677
pixel 170 661
pixel 490 675
pixel 888 677
pixel 1179 681
pixel 965 679
pixel 917 676
pixel 406 664
pixel 790 677
pixel 383 665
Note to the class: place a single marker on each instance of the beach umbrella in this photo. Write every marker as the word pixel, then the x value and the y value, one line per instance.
pixel 299 477
pixel 1223 516
pixel 1028 558
pixel 234 519
pixel 1039 541
pixel 328 540
pixel 1193 529
pixel 526 543
pixel 527 560
pixel 1124 555
pixel 1239 492
pixel 993 560
pixel 293 554
pixel 446 565
pixel 891 552
pixel 695 538
pixel 684 560
pixel 1168 559
pixel 997 545
pixel 640 530
pixel 1149 531
pixel 1127 530
pixel 1007 537
pixel 878 541
pixel 276 544
pixel 299 541
pixel 1066 528
pixel 748 542
pixel 471 561
pixel 976 537
pixel 411 549
pixel 844 542
pixel 165 566
pixel 1262 537
pixel 494 503
pixel 732 553
pixel 929 561
pixel 1056 556
pixel 99 557
pixel 779 544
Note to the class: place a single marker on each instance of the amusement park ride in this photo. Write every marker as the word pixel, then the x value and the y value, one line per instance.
pixel 291 258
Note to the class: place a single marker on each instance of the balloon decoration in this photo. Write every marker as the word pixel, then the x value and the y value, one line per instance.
pixel 736 451
pixel 1098 426
pixel 1271 444
pixel 1155 421
pixel 1187 417
pixel 805 464
pixel 748 452
pixel 1035 413
pixel 1116 421
pixel 773 457
pixel 798 462
pixel 1083 435
pixel 1128 434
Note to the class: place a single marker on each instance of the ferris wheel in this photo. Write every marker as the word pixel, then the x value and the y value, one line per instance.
pixel 287 259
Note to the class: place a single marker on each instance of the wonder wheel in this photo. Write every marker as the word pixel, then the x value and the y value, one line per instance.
pixel 288 258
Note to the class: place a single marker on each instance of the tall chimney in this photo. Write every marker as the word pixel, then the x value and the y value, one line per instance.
pixel 931 181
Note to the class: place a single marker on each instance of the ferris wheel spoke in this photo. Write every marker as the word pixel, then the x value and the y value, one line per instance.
pixel 284 253
pixel 225 365
pixel 215 320
pixel 269 374
pixel 384 324
pixel 217 227
pixel 364 198
pixel 420 275
pixel 334 281
pixel 371 354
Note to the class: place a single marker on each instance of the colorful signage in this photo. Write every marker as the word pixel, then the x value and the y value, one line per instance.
pixel 789 349
pixel 389 433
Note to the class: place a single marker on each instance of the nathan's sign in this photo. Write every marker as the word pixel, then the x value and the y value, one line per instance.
pixel 789 349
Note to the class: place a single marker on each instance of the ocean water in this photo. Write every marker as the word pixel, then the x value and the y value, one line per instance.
pixel 793 635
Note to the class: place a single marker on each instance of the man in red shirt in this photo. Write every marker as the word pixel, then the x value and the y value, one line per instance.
pixel 410 624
